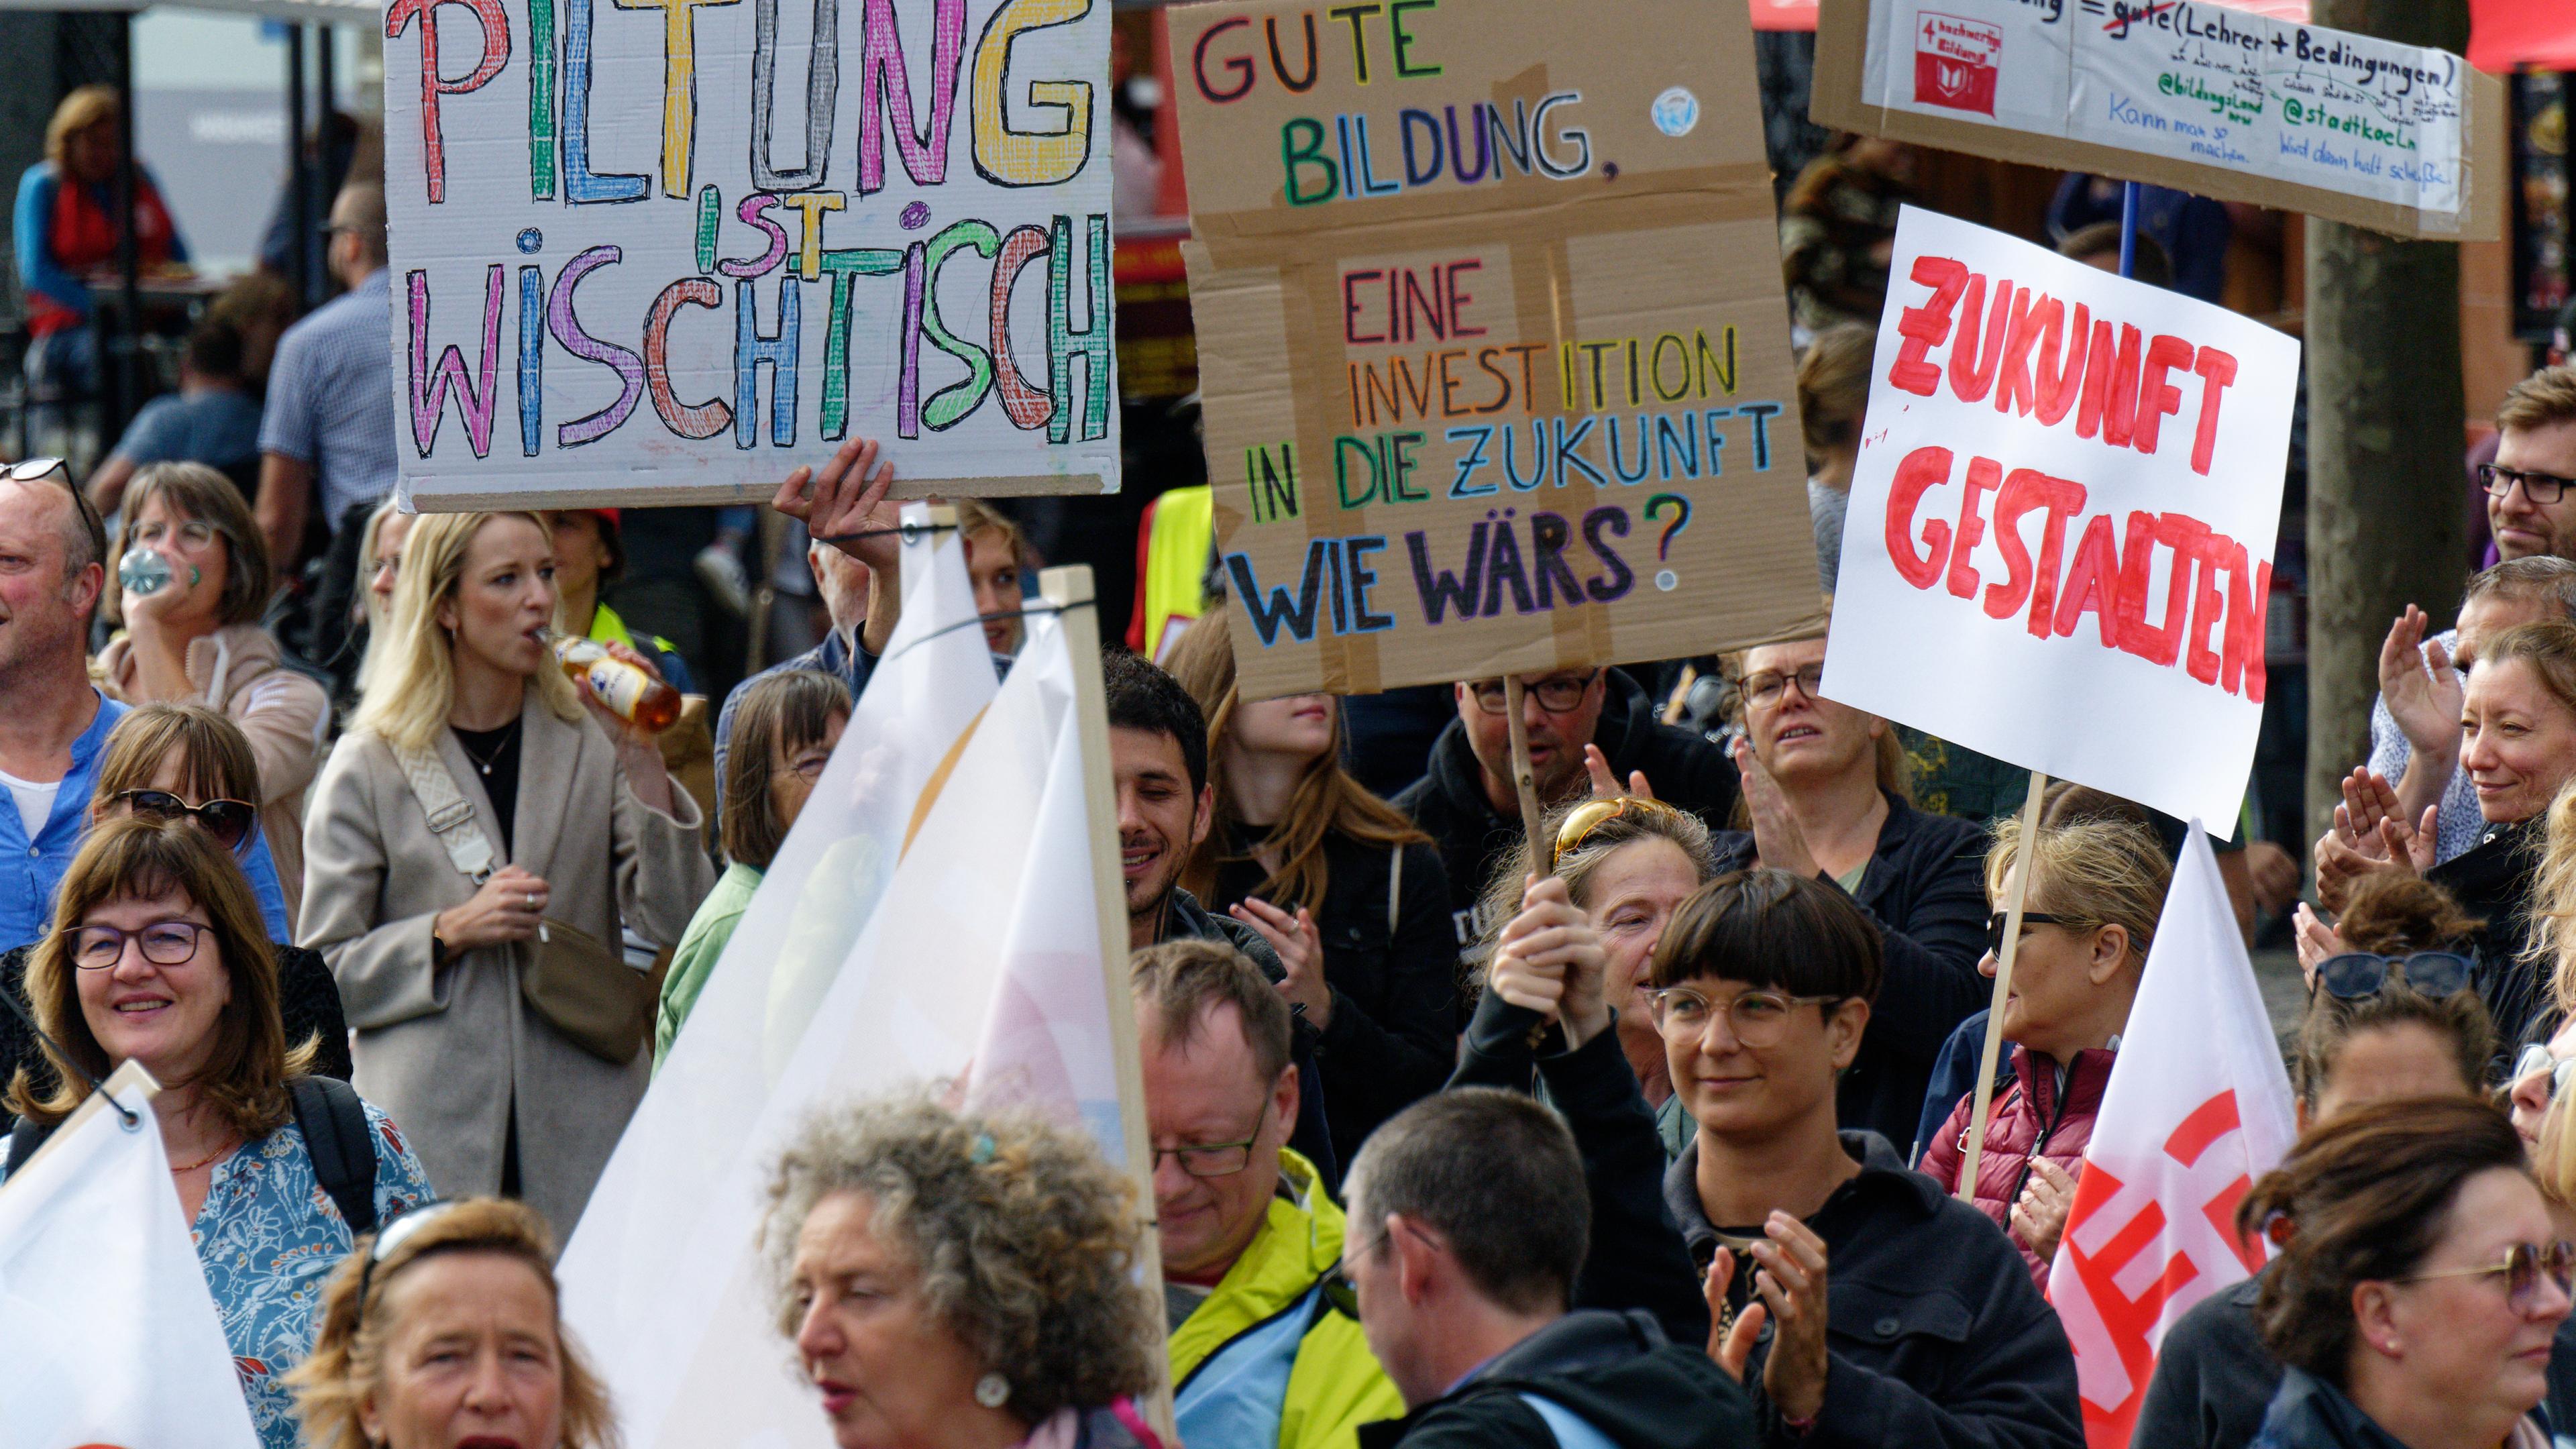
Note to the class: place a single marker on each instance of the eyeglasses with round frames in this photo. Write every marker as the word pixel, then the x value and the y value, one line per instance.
pixel 1215 1159
pixel 1757 1018
pixel 1555 694
pixel 164 943
pixel 2521 1269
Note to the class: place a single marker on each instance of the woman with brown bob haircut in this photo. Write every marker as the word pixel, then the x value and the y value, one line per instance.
pixel 2419 1283
pixel 474 1277
pixel 197 640
pixel 156 957
pixel 186 763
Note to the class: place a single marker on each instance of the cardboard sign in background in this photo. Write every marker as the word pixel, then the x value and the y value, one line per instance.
pixel 1493 349
pixel 2061 528
pixel 2207 98
pixel 666 250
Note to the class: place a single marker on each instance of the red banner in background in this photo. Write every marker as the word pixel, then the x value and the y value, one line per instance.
pixel 2505 34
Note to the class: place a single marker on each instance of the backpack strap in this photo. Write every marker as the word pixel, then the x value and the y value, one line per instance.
pixel 1394 891
pixel 334 1124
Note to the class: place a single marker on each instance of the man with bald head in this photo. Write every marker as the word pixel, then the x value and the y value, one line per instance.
pixel 326 440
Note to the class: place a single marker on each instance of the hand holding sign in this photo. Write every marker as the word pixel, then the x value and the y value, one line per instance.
pixel 1549 960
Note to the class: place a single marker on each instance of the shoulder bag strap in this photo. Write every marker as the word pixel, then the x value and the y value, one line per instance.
pixel 451 815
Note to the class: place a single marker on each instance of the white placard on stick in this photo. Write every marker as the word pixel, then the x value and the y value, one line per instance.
pixel 2060 537
pixel 2205 97
pixel 666 250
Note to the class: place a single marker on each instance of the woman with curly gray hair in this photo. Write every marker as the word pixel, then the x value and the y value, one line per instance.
pixel 954 1281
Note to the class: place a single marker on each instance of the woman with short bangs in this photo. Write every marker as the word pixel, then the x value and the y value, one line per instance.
pixel 956 1281
pixel 452 1291
pixel 559 833
pixel 197 640
pixel 156 957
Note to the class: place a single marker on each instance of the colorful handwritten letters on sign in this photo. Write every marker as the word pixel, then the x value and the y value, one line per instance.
pixel 1492 344
pixel 663 250
pixel 2203 96
pixel 2060 537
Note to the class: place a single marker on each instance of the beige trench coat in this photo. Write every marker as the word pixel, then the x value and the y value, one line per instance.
pixel 448 1051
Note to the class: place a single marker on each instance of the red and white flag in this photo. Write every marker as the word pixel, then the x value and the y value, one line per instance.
pixel 2198 1107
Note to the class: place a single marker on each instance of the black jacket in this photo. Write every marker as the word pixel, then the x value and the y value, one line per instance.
pixel 2309 1413
pixel 308 999
pixel 1616 1372
pixel 1926 890
pixel 1935 1336
pixel 2493 883
pixel 1449 803
pixel 1636 1259
pixel 2214 1376
pixel 1394 1028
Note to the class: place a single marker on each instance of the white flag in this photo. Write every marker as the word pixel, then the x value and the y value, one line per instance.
pixel 657 1204
pixel 993 883
pixel 106 1327
pixel 2197 1108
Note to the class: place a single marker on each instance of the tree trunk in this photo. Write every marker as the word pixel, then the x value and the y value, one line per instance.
pixel 2386 433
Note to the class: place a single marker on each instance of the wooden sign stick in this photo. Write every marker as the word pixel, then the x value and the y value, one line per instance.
pixel 2003 990
pixel 1524 778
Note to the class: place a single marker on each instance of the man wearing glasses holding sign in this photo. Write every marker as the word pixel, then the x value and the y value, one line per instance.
pixel 1467 804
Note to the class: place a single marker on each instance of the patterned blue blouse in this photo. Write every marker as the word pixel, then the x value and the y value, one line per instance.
pixel 268 1236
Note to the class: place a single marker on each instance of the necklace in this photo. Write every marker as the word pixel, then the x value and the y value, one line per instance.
pixel 509 733
pixel 204 1161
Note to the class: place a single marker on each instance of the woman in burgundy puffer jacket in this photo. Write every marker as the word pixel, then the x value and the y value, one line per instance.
pixel 2095 892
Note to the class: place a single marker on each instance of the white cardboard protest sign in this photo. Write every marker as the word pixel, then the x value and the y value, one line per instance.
pixel 666 250
pixel 2206 97
pixel 2059 544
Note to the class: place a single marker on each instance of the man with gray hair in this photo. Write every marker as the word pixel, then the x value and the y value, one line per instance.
pixel 1469 1219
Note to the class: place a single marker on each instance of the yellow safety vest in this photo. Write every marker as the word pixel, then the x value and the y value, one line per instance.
pixel 1176 564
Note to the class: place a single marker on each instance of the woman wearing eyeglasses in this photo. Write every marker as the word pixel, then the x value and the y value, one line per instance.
pixel 479 961
pixel 1933 1334
pixel 2390 1021
pixel 1825 796
pixel 157 957
pixel 2096 891
pixel 1353 898
pixel 2419 1284
pixel 197 639
pixel 785 728
pixel 445 1329
pixel 186 763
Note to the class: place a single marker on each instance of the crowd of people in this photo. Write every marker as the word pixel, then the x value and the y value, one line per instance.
pixel 1640 1122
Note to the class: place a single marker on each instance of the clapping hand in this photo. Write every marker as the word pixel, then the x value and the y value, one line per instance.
pixel 1301 953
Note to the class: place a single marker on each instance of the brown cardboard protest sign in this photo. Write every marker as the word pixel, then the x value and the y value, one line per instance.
pixel 1492 342
pixel 2201 97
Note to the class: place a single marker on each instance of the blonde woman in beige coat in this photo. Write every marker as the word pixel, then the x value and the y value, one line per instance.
pixel 197 640
pixel 590 834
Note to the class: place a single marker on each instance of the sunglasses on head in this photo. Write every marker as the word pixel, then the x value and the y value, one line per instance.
pixel 2359 975
pixel 228 821
pixel 1593 814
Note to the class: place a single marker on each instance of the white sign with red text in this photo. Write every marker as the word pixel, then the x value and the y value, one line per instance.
pixel 2059 546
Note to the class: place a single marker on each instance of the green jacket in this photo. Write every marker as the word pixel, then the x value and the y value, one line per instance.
pixel 1268 1359
pixel 695 958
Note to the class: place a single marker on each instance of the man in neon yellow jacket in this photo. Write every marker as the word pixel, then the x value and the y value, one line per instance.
pixel 1266 1347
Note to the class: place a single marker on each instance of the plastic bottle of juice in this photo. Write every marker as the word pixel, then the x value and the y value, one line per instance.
pixel 633 695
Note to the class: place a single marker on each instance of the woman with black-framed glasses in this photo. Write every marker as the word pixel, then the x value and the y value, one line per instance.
pixel 157 957
pixel 2419 1284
